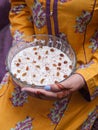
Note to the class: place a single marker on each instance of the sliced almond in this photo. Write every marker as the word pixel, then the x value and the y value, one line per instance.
pixel 42 80
pixel 24 74
pixel 58 74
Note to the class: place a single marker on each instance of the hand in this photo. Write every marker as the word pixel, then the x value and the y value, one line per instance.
pixel 58 90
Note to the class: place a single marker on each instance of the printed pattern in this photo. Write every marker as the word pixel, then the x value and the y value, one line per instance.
pixel 95 94
pixel 18 37
pixel 18 8
pixel 58 111
pixel 39 15
pixel 24 125
pixel 18 97
pixel 94 42
pixel 82 21
pixel 90 121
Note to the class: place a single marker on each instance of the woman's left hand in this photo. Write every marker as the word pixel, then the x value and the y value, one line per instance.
pixel 58 90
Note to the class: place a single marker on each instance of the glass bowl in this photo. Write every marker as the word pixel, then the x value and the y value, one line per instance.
pixel 38 40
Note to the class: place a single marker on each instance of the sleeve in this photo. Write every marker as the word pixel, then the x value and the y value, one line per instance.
pixel 90 75
pixel 20 18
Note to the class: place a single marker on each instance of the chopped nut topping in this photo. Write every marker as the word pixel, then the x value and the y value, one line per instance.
pixel 18 71
pixel 39 57
pixel 62 55
pixel 47 68
pixel 55 81
pixel 52 50
pixel 28 58
pixel 58 68
pixel 37 66
pixel 19 60
pixel 27 68
pixel 54 65
pixel 34 61
pixel 57 73
pixel 46 52
pixel 65 62
pixel 36 53
pixel 17 64
pixel 60 58
pixel 24 74
pixel 42 80
pixel 70 66
pixel 34 48
pixel 34 75
pixel 65 76
pixel 59 64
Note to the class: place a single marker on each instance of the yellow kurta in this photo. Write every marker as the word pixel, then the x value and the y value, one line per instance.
pixel 76 21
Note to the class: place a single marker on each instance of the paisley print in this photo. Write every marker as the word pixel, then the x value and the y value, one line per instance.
pixel 90 120
pixel 82 21
pixel 18 8
pixel 94 42
pixel 39 15
pixel 18 97
pixel 58 111
pixel 24 125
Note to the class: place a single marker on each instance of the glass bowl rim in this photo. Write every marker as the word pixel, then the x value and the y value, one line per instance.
pixel 35 85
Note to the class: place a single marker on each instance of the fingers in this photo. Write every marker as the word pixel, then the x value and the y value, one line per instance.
pixel 47 95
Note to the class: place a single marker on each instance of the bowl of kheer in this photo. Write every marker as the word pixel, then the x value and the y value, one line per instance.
pixel 39 60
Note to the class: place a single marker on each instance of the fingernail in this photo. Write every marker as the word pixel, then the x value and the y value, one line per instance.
pixel 47 87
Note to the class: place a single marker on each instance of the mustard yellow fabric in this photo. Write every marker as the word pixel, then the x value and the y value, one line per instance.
pixel 78 23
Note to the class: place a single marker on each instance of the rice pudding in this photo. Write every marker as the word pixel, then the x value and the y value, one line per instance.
pixel 41 65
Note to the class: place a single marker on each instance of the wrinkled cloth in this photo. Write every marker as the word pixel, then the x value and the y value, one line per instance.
pixel 4 11
pixel 5 36
pixel 5 44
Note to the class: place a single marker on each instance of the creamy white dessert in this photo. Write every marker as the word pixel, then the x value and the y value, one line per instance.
pixel 41 65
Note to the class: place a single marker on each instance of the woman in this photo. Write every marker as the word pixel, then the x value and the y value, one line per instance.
pixel 77 24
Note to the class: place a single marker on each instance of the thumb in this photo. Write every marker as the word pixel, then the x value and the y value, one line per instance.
pixel 55 87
